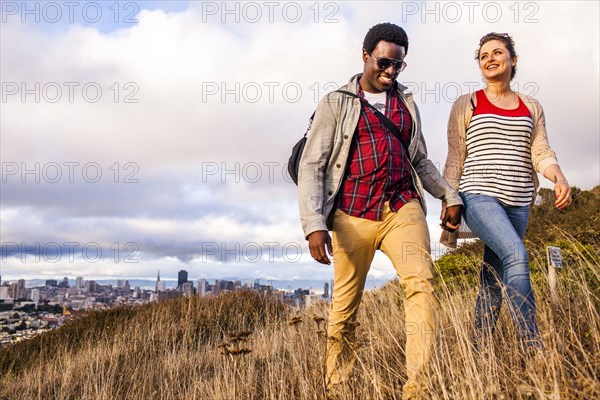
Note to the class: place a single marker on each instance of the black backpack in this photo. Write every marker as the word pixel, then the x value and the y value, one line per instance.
pixel 294 161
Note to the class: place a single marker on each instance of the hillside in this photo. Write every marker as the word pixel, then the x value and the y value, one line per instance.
pixel 244 346
pixel 576 230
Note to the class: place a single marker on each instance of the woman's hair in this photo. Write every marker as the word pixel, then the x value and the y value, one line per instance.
pixel 508 43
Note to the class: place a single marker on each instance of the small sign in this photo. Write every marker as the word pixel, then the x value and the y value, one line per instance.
pixel 554 257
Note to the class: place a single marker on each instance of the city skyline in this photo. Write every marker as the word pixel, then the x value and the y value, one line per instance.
pixel 171 283
pixel 26 312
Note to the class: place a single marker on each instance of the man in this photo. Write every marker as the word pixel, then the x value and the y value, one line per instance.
pixel 360 180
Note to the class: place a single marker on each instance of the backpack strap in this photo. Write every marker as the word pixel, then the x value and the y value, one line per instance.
pixel 310 121
pixel 382 117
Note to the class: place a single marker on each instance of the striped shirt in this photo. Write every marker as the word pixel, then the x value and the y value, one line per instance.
pixel 498 161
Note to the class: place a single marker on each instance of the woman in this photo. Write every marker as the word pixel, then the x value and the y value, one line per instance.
pixel 497 141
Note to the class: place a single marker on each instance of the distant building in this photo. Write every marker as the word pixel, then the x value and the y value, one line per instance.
pixel 182 277
pixel 222 285
pixel 35 296
pixel 91 286
pixel 326 290
pixel 4 292
pixel 64 284
pixel 157 286
pixel 301 292
pixel 202 287
pixel 51 283
pixel 15 292
pixel 79 282
pixel 188 289
pixel 311 299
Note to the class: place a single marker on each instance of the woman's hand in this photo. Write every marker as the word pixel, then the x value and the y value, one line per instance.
pixel 561 186
pixel 443 213
pixel 451 220
pixel 450 217
pixel 563 194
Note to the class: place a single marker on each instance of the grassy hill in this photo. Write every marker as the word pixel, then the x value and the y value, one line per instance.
pixel 576 230
pixel 245 346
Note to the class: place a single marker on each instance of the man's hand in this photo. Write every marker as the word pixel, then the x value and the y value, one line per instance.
pixel 316 243
pixel 451 217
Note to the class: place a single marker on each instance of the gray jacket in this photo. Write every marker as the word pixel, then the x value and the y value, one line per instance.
pixel 323 161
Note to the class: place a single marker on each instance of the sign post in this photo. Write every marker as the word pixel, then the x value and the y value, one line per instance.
pixel 555 261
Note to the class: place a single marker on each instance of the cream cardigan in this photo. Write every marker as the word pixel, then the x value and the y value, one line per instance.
pixel 542 155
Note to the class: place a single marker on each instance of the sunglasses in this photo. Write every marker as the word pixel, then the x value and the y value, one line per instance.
pixel 384 63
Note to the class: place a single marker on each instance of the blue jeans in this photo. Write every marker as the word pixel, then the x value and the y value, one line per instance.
pixel 505 265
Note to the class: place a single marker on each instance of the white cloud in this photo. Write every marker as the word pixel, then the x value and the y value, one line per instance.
pixel 196 157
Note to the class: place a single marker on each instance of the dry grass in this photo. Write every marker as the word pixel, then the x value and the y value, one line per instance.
pixel 242 346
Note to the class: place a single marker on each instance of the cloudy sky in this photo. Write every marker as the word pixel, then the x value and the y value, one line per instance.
pixel 145 135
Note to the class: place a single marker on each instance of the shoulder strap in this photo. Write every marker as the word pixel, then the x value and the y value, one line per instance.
pixel 310 121
pixel 383 118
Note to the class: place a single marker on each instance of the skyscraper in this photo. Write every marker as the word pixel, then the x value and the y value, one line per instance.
pixel 202 285
pixel 91 286
pixel 182 277
pixel 188 289
pixel 35 295
pixel 15 291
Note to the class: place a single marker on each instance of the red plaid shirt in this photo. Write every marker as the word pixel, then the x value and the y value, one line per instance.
pixel 378 168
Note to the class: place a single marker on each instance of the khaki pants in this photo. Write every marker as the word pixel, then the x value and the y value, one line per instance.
pixel 404 237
